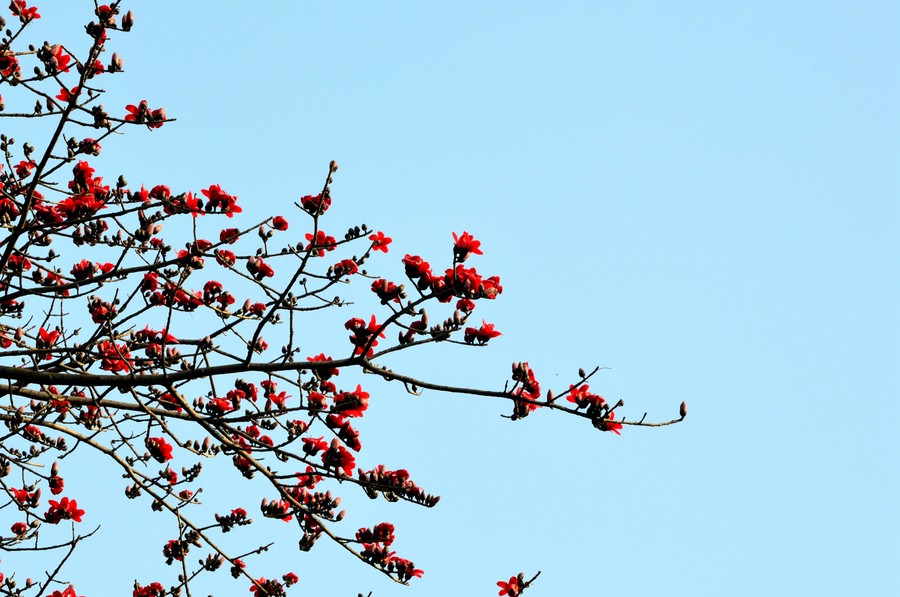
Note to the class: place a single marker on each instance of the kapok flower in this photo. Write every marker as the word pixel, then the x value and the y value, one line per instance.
pixel 380 242
pixel 67 95
pixel 511 588
pixel 64 509
pixel 159 449
pixel 465 245
pixel 316 204
pixel 25 13
pixel 267 588
pixel 219 200
pixel 482 334
pixel 154 589
pixel 608 423
pixel 338 457
pixel 279 223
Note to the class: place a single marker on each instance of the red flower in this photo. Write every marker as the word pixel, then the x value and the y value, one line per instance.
pixel 279 223
pixel 259 269
pixel 219 406
pixel 141 114
pixel 9 64
pixel 416 267
pixel 68 592
pixel 511 588
pixel 114 357
pixel 229 235
pixel 56 484
pixel 387 291
pixel 363 335
pixel 66 95
pixel 19 529
pixel 316 204
pixel 351 404
pixel 47 339
pixel 221 201
pixel 608 424
pixel 380 242
pixel 320 243
pixel 344 268
pixel 23 168
pixel 313 445
pixel 267 588
pixel 60 59
pixel 290 579
pixel 482 334
pixel 83 270
pixel 278 400
pixel 337 457
pixel 464 245
pixel 154 589
pixel 64 509
pixel 405 569
pixel 159 449
pixel 225 257
pixel 21 10
pixel 582 397
pixel 324 373
pixel 490 288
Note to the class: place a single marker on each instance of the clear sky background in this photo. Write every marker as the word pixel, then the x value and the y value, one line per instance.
pixel 701 196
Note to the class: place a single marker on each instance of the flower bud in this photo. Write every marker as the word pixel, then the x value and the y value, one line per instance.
pixel 683 410
pixel 128 21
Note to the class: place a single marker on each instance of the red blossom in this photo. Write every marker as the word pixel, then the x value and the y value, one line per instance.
pixel 380 242
pixel 345 267
pixel 267 588
pixel 482 334
pixel 159 449
pixel 608 423
pixel 279 223
pixel 114 357
pixel 219 406
pixel 337 457
pixel 465 245
pixel 582 397
pixel 220 201
pixel 416 267
pixel 259 269
pixel 229 235
pixel 363 335
pixel 83 270
pixel 316 204
pixel 64 509
pixel 351 404
pixel 9 64
pixel 320 243
pixel 20 9
pixel 511 588
pixel 47 339
pixel 24 168
pixel 67 95
pixel 225 257
pixel 323 373
pixel 60 58
pixel 154 589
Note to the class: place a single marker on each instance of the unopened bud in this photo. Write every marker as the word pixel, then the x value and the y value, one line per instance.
pixel 128 21
pixel 683 410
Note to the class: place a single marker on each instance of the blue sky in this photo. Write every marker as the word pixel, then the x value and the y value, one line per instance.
pixel 700 196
